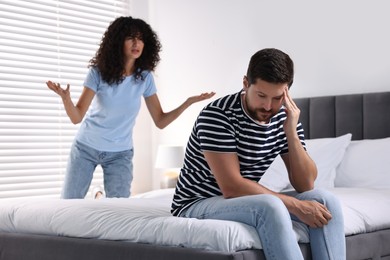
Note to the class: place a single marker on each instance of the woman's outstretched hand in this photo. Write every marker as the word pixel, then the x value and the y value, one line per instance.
pixel 56 87
pixel 200 97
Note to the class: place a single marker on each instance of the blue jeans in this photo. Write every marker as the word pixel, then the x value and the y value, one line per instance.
pixel 117 171
pixel 268 214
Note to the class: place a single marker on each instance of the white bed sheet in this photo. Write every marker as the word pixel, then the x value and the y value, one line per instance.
pixel 145 218
pixel 365 209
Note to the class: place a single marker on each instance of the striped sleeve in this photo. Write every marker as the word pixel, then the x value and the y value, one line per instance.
pixel 215 132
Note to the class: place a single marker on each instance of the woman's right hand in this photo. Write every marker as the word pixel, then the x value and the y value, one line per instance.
pixel 56 87
pixel 75 113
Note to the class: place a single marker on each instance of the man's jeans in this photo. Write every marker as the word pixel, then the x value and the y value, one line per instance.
pixel 117 169
pixel 273 223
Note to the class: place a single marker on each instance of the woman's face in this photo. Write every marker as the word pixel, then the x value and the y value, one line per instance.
pixel 133 47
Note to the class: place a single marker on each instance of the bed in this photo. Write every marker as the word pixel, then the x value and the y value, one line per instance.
pixel 348 137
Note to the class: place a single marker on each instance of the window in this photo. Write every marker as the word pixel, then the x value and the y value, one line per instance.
pixel 44 40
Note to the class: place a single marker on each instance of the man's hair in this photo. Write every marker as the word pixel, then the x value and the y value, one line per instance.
pixel 271 65
pixel 109 58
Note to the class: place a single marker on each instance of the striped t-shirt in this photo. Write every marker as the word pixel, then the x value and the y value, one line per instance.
pixel 223 126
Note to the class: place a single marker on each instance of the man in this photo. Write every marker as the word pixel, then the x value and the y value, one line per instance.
pixel 233 142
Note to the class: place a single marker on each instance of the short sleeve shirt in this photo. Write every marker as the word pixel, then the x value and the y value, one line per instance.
pixel 223 126
pixel 108 124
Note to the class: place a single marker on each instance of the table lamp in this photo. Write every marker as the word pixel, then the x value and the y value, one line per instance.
pixel 170 158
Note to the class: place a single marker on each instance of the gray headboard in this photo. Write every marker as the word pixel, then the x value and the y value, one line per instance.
pixel 366 116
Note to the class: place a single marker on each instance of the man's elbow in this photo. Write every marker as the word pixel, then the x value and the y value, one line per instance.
pixel 305 188
pixel 302 187
pixel 229 192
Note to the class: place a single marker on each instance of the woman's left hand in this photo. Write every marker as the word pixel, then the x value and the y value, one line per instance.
pixel 200 97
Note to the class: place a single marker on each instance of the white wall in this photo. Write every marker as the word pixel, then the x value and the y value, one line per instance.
pixel 338 46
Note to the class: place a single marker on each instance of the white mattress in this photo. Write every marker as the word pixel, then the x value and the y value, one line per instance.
pixel 145 218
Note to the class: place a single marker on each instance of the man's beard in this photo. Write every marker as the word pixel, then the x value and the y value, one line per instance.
pixel 259 114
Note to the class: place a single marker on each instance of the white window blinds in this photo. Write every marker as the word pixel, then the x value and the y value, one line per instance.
pixel 40 41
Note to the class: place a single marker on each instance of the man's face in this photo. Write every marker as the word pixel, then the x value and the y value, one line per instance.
pixel 263 100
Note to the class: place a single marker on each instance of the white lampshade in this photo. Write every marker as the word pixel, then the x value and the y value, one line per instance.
pixel 169 156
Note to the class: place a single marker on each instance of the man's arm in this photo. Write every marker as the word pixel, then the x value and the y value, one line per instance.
pixel 302 170
pixel 226 170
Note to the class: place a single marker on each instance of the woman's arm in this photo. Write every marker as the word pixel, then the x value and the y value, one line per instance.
pixel 160 118
pixel 75 113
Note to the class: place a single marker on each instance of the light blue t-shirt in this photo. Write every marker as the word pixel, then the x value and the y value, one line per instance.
pixel 108 124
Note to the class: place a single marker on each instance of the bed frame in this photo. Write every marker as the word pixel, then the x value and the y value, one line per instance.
pixel 366 116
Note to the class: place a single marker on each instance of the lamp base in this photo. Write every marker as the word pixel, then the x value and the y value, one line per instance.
pixel 169 180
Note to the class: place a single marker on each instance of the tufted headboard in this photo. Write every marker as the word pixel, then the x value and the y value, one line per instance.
pixel 366 116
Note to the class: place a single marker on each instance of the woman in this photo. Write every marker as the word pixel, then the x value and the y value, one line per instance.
pixel 119 74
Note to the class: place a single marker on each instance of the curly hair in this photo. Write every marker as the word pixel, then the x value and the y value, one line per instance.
pixel 271 65
pixel 109 58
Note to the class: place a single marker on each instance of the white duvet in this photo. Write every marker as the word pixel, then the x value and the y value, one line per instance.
pixel 146 218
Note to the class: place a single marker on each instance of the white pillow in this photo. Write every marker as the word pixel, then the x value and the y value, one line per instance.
pixel 327 153
pixel 365 164
pixel 276 177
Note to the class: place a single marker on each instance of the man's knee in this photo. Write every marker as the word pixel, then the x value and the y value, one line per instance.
pixel 271 205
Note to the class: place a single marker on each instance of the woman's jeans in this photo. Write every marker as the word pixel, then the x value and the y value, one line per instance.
pixel 117 169
pixel 273 223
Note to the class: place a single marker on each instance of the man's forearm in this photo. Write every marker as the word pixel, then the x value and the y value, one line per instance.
pixel 302 169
